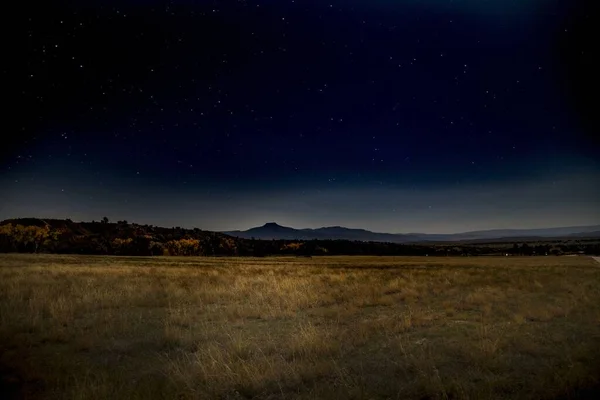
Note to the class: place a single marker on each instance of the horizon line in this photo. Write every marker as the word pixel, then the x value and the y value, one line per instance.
pixel 322 227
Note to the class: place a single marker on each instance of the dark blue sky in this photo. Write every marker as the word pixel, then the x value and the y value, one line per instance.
pixel 395 116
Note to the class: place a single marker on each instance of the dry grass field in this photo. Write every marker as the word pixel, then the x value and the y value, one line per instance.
pixel 75 327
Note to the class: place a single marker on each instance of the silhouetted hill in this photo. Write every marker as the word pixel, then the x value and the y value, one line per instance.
pixel 113 229
pixel 594 234
pixel 66 236
pixel 274 231
pixel 521 233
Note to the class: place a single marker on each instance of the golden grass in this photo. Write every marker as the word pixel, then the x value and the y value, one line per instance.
pixel 74 327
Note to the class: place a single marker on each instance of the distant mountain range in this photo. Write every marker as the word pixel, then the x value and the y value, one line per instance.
pixel 273 230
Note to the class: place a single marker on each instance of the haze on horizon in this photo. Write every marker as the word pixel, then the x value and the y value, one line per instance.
pixel 567 201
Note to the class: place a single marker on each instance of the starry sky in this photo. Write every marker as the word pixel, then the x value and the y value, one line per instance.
pixel 396 116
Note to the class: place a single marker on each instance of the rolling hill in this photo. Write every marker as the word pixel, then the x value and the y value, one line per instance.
pixel 272 230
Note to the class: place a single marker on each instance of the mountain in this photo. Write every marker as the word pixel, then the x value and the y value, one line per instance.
pixel 273 230
pixel 594 234
pixel 540 232
pixel 269 231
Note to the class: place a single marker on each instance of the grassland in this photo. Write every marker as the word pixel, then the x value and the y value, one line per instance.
pixel 75 327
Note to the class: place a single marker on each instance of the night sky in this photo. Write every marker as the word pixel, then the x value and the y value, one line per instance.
pixel 396 116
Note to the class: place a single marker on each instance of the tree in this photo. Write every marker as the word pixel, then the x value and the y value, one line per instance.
pixel 140 245
pixel 291 248
pixel 36 236
pixel 157 248
pixel 121 246
pixel 228 246
pixel 526 249
pixel 105 220
pixel 27 239
pixel 184 247
pixel 7 238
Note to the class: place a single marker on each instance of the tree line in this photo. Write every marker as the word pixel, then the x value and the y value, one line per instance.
pixel 123 238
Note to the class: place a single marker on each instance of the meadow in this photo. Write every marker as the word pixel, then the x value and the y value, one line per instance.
pixel 98 327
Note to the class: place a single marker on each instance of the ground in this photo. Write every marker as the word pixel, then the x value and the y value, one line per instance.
pixel 79 327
